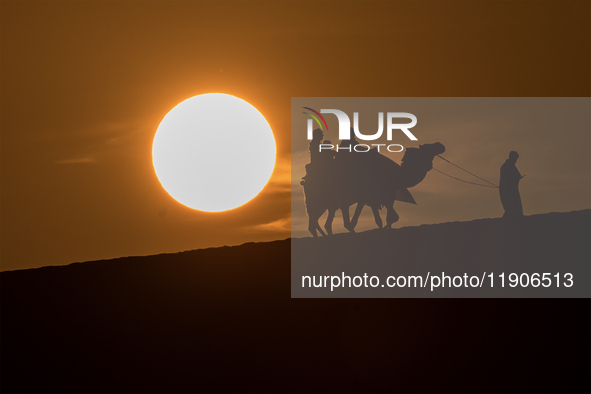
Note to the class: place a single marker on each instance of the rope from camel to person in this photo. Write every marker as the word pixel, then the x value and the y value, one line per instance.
pixel 462 180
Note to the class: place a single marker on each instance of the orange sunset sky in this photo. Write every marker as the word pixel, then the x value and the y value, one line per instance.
pixel 84 86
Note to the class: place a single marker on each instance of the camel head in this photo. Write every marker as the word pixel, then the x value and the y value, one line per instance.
pixel 434 149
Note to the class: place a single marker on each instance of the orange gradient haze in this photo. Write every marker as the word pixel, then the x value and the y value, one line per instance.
pixel 86 84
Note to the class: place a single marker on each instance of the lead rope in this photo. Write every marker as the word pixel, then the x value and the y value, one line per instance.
pixel 461 180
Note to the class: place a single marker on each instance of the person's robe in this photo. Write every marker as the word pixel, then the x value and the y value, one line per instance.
pixel 509 190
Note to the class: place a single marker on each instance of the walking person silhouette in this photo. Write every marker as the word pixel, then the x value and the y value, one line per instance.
pixel 509 188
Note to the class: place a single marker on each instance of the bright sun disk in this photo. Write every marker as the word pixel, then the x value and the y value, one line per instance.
pixel 213 152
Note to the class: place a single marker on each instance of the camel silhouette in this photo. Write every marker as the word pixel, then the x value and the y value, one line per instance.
pixel 363 178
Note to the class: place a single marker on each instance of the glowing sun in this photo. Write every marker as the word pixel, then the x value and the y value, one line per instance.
pixel 213 152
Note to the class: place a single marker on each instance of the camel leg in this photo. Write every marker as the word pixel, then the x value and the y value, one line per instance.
pixel 347 219
pixel 320 230
pixel 376 216
pixel 391 216
pixel 329 219
pixel 356 215
pixel 313 224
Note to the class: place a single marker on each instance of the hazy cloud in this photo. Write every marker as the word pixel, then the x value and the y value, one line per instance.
pixel 280 225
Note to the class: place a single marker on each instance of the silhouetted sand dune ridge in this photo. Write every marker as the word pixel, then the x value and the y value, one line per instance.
pixel 221 319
